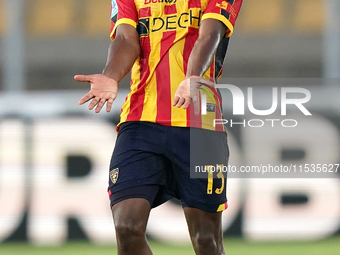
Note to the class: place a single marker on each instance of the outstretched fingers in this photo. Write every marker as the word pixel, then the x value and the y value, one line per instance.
pixel 103 91
pixel 187 103
pixel 176 100
pixel 97 102
pixel 86 98
pixel 100 105
pixel 94 102
pixel 180 102
pixel 83 78
pixel 109 105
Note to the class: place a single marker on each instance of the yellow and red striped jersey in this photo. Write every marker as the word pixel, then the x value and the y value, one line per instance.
pixel 168 30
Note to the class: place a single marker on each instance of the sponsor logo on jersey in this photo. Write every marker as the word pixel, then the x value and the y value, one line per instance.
pixel 160 1
pixel 169 22
pixel 210 107
pixel 212 93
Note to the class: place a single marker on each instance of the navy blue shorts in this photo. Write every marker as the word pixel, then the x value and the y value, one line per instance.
pixel 153 161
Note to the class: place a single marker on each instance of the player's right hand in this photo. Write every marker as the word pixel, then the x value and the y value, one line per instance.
pixel 188 91
pixel 103 90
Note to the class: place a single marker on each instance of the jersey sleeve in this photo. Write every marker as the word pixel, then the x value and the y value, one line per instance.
pixel 122 12
pixel 225 11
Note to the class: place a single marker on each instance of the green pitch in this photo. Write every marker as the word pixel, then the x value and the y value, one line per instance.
pixel 233 246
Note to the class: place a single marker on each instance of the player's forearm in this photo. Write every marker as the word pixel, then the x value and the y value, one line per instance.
pixel 122 54
pixel 202 55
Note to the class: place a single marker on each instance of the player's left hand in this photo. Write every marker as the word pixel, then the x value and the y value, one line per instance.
pixel 188 90
pixel 103 90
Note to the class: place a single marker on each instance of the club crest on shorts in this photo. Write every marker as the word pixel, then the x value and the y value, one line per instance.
pixel 114 175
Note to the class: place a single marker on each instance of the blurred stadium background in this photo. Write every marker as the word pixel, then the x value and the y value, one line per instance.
pixel 54 154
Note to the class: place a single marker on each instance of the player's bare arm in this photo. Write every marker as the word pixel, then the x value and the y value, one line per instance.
pixel 123 52
pixel 210 34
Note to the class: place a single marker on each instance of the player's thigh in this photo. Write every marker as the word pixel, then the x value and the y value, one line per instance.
pixel 131 215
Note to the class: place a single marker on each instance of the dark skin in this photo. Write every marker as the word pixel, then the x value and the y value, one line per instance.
pixel 104 87
pixel 130 226
pixel 204 228
pixel 210 33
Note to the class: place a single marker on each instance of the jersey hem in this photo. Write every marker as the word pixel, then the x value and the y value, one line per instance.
pixel 193 124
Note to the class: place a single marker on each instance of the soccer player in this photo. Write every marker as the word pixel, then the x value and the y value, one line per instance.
pixel 166 43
